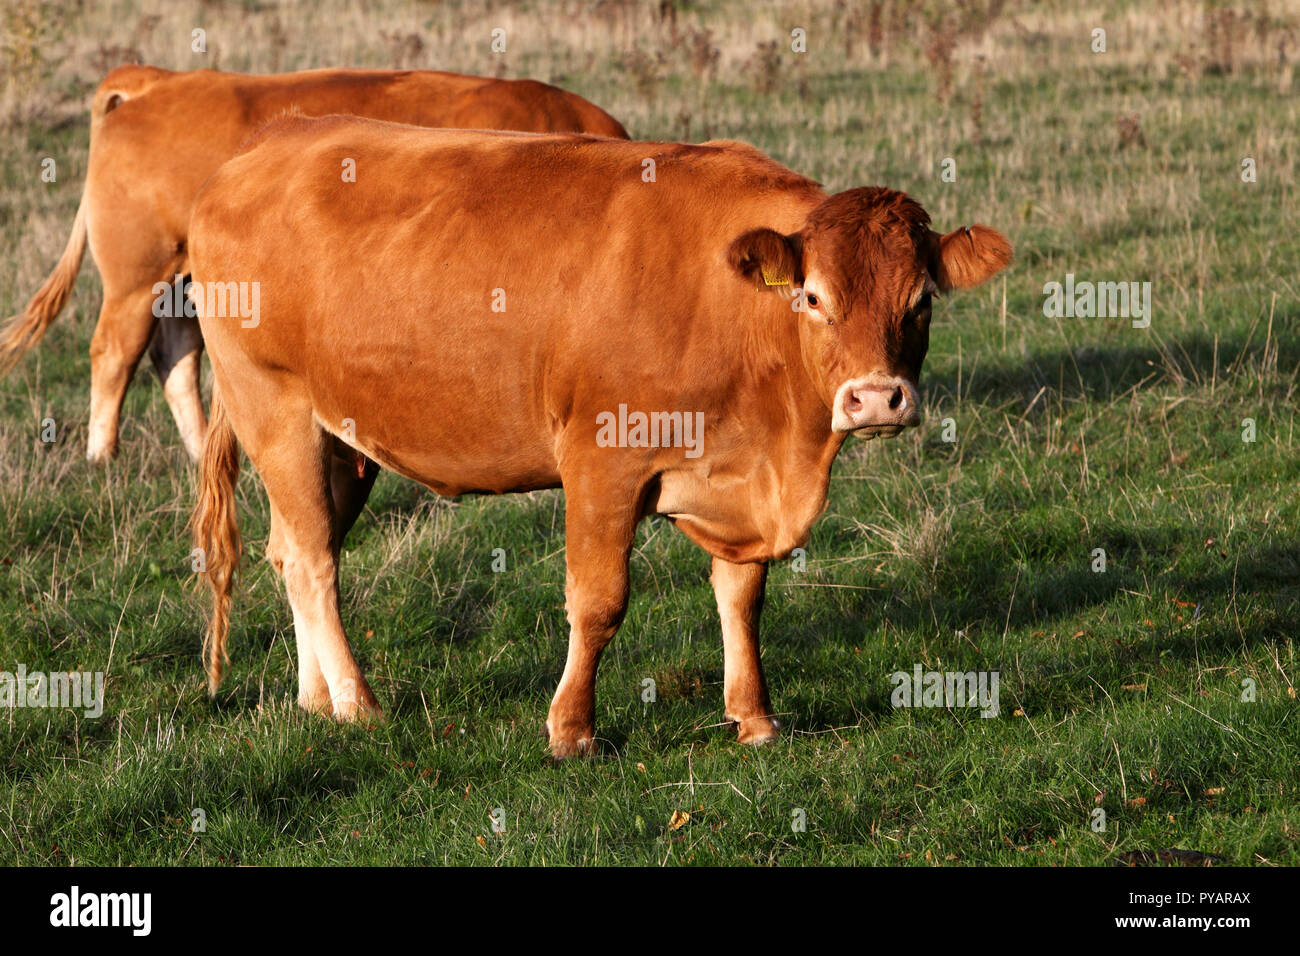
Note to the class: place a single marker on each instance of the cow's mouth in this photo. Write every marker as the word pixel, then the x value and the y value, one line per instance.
pixel 868 432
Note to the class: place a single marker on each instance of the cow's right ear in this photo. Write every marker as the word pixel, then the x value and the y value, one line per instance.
pixel 767 258
pixel 970 256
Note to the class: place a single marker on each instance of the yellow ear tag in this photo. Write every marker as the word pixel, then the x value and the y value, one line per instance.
pixel 774 278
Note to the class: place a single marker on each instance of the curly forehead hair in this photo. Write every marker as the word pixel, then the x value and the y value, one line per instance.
pixel 871 241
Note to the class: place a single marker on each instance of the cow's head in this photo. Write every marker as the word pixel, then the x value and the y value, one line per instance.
pixel 861 273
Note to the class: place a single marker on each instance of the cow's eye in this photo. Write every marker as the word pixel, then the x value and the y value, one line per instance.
pixel 812 301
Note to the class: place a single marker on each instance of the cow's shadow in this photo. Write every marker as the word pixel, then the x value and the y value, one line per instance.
pixel 1205 631
pixel 1101 372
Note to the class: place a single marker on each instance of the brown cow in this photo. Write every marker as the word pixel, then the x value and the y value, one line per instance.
pixel 156 136
pixel 538 324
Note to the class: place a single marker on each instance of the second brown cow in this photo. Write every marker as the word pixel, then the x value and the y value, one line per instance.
pixel 157 135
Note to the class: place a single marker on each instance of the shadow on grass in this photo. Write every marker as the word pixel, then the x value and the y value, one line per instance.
pixel 1102 372
pixel 1210 634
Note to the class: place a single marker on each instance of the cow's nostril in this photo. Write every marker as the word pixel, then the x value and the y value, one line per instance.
pixel 897 401
pixel 853 403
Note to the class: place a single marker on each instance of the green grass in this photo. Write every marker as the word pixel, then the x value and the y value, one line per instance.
pixel 1120 690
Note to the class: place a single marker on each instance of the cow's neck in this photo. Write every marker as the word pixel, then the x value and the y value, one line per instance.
pixel 803 446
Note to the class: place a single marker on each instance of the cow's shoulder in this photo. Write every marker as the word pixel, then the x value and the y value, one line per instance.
pixel 748 165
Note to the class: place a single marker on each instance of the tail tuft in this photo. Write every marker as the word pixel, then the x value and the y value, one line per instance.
pixel 24 330
pixel 216 533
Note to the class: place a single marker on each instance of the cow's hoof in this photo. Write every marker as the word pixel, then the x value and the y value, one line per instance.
pixel 100 455
pixel 756 731
pixel 580 743
pixel 365 711
pixel 316 704
pixel 367 717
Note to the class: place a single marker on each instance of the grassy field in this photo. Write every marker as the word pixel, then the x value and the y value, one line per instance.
pixel 1120 691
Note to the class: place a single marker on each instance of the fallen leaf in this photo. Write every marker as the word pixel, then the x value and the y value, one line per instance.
pixel 679 820
pixel 1138 802
pixel 1213 791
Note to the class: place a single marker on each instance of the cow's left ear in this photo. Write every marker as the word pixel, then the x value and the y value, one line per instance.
pixel 969 256
pixel 768 258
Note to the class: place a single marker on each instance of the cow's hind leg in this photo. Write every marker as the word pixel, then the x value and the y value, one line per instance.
pixel 175 349
pixel 739 592
pixel 293 456
pixel 121 336
pixel 313 689
pixel 599 530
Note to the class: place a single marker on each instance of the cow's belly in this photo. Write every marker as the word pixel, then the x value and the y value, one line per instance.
pixel 454 432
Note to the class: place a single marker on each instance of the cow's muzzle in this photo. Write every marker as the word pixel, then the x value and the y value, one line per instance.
pixel 876 406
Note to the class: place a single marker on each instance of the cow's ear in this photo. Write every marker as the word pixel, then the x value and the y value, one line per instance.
pixel 969 256
pixel 767 258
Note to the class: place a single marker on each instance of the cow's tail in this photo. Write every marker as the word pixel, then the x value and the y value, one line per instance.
pixel 216 533
pixel 24 330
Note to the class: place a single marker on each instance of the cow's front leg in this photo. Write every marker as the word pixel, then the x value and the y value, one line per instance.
pixel 739 591
pixel 599 530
